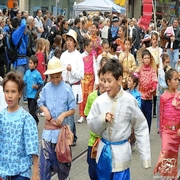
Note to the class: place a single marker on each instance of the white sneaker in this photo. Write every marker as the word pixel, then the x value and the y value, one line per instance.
pixel 134 146
pixel 81 120
pixel 41 114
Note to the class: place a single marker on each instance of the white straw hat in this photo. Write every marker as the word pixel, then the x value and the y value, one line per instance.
pixel 54 66
pixel 71 33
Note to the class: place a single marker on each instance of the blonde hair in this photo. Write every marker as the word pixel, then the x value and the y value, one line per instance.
pixel 47 44
pixel 40 45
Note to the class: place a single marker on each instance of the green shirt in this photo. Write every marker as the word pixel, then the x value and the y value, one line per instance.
pixel 92 96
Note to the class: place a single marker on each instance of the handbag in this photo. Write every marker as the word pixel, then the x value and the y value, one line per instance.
pixel 63 150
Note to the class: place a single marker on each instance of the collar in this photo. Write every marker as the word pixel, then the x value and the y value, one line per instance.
pixel 146 67
pixel 119 94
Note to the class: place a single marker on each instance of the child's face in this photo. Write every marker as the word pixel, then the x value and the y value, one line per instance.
pixel 101 84
pixel 154 40
pixel 146 59
pixel 106 48
pixel 47 47
pixel 70 44
pixel 65 25
pixel 131 84
pixel 166 62
pixel 44 47
pixel 173 83
pixel 94 30
pixel 120 32
pixel 12 95
pixel 32 65
pixel 177 62
pixel 56 78
pixel 111 84
pixel 89 48
pixel 127 46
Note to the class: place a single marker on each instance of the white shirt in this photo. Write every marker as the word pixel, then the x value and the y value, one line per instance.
pixel 77 71
pixel 126 112
pixel 38 23
pixel 3 103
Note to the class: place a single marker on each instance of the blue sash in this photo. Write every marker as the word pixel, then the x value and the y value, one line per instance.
pixel 104 166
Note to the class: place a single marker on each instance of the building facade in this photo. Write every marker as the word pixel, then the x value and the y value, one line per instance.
pixel 60 6
pixel 55 6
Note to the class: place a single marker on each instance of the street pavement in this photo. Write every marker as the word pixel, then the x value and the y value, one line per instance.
pixel 79 168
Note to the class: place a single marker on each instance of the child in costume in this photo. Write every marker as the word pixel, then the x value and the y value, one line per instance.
pixel 93 137
pixel 167 164
pixel 96 39
pixel 128 62
pixel 105 53
pixel 90 76
pixel 73 64
pixel 156 53
pixel 114 151
pixel 147 85
pixel 18 135
pixel 132 84
pixel 58 103
pixel 163 67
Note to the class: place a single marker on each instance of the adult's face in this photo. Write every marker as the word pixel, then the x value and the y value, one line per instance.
pixel 39 13
pixel 175 23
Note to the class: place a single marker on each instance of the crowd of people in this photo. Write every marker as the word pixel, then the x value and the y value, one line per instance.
pixel 118 74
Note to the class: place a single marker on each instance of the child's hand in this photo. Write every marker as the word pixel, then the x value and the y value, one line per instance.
pixel 35 177
pixel 109 117
pixel 178 133
pixel 35 86
pixel 68 67
pixel 47 115
pixel 137 70
pixel 172 38
pixel 60 119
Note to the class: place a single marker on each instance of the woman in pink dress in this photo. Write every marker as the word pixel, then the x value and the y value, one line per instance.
pixel 167 164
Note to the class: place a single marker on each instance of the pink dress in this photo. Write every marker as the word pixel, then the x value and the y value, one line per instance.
pixel 167 164
pixel 147 82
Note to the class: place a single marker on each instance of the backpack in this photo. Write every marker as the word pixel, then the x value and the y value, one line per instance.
pixel 12 50
pixel 52 34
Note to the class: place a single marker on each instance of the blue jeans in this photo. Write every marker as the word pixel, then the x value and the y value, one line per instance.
pixel 174 56
pixel 22 70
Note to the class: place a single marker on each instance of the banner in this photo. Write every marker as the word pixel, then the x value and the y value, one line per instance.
pixel 145 20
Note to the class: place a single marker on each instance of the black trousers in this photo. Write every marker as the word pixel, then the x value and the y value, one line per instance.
pixel 32 106
pixel 2 71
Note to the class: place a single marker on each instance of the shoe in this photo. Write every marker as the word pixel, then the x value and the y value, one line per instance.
pixel 133 147
pixel 81 120
pixel 41 114
pixel 74 143
pixel 25 102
